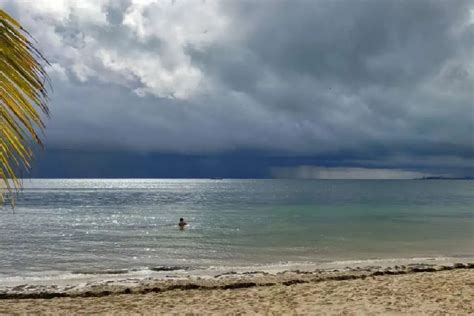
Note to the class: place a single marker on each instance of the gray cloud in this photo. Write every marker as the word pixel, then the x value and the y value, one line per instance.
pixel 381 83
pixel 314 172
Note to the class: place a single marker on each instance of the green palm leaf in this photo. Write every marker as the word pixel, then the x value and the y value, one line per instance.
pixel 23 96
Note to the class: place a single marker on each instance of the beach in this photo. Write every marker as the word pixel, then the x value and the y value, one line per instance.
pixel 413 289
pixel 417 289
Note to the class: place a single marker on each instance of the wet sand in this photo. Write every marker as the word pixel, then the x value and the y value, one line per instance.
pixel 407 290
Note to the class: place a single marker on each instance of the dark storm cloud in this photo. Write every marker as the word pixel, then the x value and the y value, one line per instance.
pixel 365 42
pixel 380 84
pixel 360 72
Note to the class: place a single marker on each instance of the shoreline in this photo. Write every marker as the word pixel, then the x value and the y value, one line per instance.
pixel 422 289
pixel 228 278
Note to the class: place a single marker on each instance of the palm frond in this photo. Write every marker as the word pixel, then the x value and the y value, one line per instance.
pixel 23 96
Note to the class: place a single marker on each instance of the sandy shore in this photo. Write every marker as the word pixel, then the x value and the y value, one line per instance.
pixel 400 289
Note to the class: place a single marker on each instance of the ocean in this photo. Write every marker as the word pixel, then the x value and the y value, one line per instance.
pixel 67 227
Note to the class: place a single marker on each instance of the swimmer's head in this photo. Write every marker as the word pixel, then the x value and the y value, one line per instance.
pixel 181 219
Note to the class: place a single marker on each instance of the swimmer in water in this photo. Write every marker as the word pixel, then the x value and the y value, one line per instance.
pixel 182 223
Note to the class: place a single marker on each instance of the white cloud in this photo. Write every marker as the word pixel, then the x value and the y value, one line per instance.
pixel 178 26
pixel 62 11
pixel 70 33
pixel 56 70
pixel 178 23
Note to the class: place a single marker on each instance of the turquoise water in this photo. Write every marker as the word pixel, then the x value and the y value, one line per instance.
pixel 95 225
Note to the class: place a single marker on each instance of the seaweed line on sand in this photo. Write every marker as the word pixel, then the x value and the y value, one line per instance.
pixel 292 277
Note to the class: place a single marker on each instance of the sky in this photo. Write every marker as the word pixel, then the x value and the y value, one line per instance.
pixel 292 89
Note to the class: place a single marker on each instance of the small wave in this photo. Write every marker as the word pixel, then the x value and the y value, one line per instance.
pixel 97 272
pixel 125 271
pixel 169 268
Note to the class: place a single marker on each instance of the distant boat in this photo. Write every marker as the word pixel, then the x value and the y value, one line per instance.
pixel 216 178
